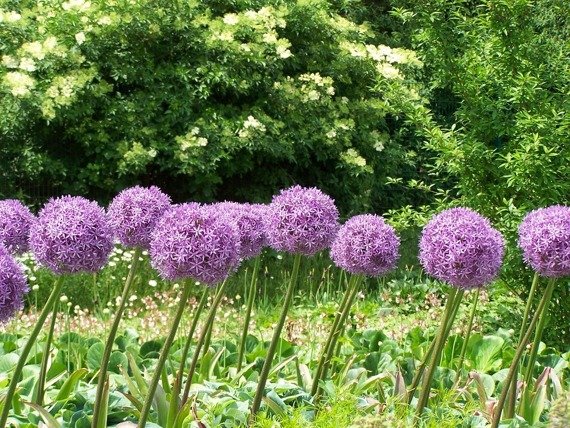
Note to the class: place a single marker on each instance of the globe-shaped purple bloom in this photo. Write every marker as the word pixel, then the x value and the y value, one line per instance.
pixel 461 247
pixel 248 219
pixel 72 234
pixel 544 238
pixel 13 286
pixel 366 245
pixel 15 222
pixel 134 212
pixel 191 242
pixel 301 220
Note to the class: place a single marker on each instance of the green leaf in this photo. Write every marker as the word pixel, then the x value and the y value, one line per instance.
pixel 485 352
pixel 95 355
pixel 48 419
pixel 8 362
pixel 70 384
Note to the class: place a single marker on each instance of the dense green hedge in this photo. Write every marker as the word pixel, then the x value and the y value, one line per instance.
pixel 206 99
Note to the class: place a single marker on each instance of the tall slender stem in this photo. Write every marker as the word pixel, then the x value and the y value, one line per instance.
pixel 249 308
pixel 440 342
pixel 276 335
pixel 111 338
pixel 529 368
pixel 201 339
pixel 354 286
pixel 420 371
pixel 334 326
pixel 467 334
pixel 512 397
pixel 40 391
pixel 164 354
pixel 53 297
pixel 519 351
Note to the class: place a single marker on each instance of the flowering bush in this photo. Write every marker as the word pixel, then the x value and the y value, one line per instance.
pixel 203 94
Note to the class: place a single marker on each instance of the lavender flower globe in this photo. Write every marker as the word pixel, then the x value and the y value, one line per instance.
pixel 13 286
pixel 133 213
pixel 544 238
pixel 366 245
pixel 71 235
pixel 190 242
pixel 459 246
pixel 15 222
pixel 301 220
pixel 248 219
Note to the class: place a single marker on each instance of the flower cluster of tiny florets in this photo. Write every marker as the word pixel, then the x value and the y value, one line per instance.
pixel 366 245
pixel 133 213
pixel 72 234
pixel 248 219
pixel 190 242
pixel 461 247
pixel 301 220
pixel 15 222
pixel 544 238
pixel 13 286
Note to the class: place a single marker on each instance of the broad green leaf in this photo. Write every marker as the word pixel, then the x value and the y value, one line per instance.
pixel 95 355
pixel 484 352
pixel 48 419
pixel 70 384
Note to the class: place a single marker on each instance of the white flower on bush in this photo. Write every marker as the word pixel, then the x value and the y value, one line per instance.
pixel 35 49
pixel 251 124
pixel 20 84
pixel 283 51
pixel 10 16
pixel 231 19
pixel 388 71
pixel 80 38
pixel 80 5
pixel 105 20
pixel 191 139
pixel 9 61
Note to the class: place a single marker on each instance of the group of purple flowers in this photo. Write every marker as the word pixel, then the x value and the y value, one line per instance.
pixel 207 242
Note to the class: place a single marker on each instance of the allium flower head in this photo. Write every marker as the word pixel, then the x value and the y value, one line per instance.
pixel 191 242
pixel 461 247
pixel 72 234
pixel 248 219
pixel 544 238
pixel 13 286
pixel 366 245
pixel 133 213
pixel 15 222
pixel 301 220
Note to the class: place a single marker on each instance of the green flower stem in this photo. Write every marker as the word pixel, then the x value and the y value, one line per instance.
pixel 534 347
pixel 164 354
pixel 40 386
pixel 250 300
pixel 53 297
pixel 111 338
pixel 276 335
pixel 512 397
pixel 520 350
pixel 174 405
pixel 454 297
pixel 467 335
pixel 419 373
pixel 354 286
pixel 334 327
pixel 207 326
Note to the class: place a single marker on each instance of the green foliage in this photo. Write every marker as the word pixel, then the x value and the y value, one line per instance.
pixel 205 99
pixel 503 64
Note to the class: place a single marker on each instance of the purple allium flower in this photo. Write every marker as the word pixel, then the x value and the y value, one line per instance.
pixel 248 219
pixel 15 222
pixel 13 286
pixel 191 242
pixel 544 238
pixel 133 213
pixel 461 247
pixel 301 220
pixel 72 234
pixel 366 245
